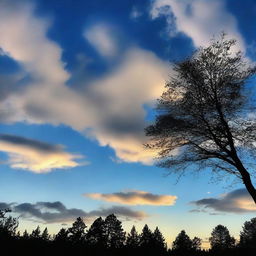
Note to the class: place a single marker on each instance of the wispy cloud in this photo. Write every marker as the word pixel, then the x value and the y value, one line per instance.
pixel 57 212
pixel 237 201
pixel 102 38
pixel 198 19
pixel 24 34
pixel 135 13
pixel 34 155
pixel 135 198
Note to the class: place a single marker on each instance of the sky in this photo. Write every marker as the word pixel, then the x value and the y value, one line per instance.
pixel 78 84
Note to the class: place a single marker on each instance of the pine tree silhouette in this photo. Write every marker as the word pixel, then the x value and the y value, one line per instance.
pixel 114 232
pixel 133 239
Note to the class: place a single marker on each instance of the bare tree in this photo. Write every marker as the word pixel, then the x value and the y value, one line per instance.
pixel 205 116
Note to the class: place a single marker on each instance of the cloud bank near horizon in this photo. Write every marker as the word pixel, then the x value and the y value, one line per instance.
pixel 57 212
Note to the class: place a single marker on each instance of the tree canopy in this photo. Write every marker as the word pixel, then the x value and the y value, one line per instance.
pixel 8 225
pixel 77 231
pixel 204 115
pixel 220 239
pixel 248 235
pixel 182 242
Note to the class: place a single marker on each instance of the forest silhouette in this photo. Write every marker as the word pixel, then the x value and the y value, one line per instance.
pixel 107 237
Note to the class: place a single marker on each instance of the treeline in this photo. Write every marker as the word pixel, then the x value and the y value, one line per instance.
pixel 107 237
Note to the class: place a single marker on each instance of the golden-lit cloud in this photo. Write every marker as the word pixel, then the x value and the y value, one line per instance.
pixel 34 155
pixel 135 198
pixel 237 201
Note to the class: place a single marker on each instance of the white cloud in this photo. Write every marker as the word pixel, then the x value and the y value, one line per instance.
pixel 122 95
pixel 102 39
pixel 36 156
pixel 198 19
pixel 109 109
pixel 23 37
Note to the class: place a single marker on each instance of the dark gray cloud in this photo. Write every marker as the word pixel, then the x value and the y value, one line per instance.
pixel 52 205
pixel 35 144
pixel 120 211
pixel 56 212
pixel 48 212
pixel 8 85
pixel 237 201
pixel 120 125
pixel 4 206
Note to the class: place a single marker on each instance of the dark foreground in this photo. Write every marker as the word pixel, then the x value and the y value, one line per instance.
pixel 107 238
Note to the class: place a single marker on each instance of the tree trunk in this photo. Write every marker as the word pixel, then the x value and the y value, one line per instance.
pixel 249 186
pixel 247 181
pixel 239 165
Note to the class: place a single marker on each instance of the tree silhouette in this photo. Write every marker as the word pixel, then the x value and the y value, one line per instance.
pixel 182 245
pixel 45 235
pixel 220 239
pixel 133 239
pixel 18 234
pixel 248 234
pixel 202 120
pixel 77 231
pixel 36 233
pixel 102 239
pixel 146 237
pixel 62 236
pixel 8 225
pixel 25 235
pixel 158 241
pixel 114 232
pixel 96 236
pixel 196 243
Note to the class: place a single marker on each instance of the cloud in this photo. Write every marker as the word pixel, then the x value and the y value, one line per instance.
pixel 34 155
pixel 101 37
pixel 24 39
pixel 109 109
pixel 198 19
pixel 56 212
pixel 4 206
pixel 122 94
pixel 135 13
pixel 237 201
pixel 135 198
pixel 120 211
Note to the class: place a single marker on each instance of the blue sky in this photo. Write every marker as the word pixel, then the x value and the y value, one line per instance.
pixel 79 80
